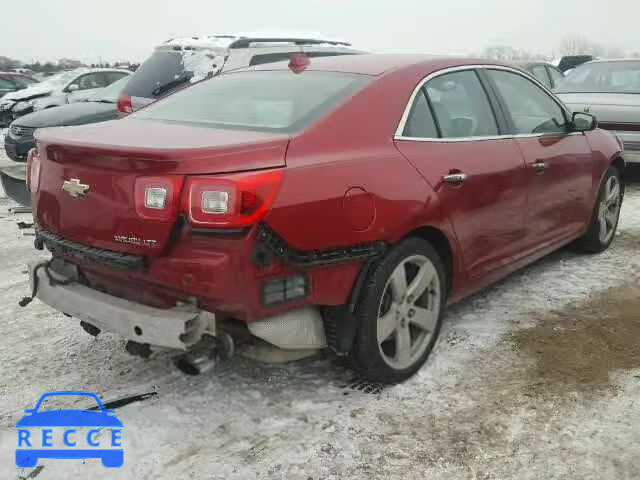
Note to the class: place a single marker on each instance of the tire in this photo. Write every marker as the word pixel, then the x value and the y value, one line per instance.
pixel 16 190
pixel 607 211
pixel 382 306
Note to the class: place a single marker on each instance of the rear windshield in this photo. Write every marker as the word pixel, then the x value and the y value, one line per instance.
pixel 602 77
pixel 167 70
pixel 269 101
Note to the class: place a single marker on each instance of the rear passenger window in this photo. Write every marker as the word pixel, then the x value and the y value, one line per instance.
pixel 420 123
pixel 113 77
pixel 556 76
pixel 461 106
pixel 541 74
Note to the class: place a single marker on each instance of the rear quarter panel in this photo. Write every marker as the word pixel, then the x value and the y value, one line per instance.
pixel 352 149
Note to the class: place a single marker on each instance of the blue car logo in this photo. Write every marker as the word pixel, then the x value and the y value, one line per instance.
pixel 59 424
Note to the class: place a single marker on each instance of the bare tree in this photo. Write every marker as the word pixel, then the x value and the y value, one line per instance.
pixel 7 63
pixel 613 52
pixel 505 53
pixel 576 45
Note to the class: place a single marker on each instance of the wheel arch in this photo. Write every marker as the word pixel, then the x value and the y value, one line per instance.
pixel 439 240
pixel 619 164
pixel 339 321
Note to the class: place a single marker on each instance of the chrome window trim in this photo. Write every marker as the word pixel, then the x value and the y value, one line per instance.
pixel 407 110
pixel 480 139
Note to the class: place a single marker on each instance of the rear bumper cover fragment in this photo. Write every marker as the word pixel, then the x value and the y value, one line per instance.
pixel 271 245
pixel 105 257
pixel 179 327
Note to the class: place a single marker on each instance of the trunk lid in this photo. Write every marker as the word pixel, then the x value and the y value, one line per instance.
pixel 108 158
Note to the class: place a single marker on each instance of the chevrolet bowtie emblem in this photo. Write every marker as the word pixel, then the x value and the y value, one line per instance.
pixel 74 188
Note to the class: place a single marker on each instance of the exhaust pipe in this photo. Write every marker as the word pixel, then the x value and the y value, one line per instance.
pixel 198 359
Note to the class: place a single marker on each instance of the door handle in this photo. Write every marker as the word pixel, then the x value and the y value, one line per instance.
pixel 455 178
pixel 539 166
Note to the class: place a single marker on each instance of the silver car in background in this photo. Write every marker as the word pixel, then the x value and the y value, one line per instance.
pixel 610 90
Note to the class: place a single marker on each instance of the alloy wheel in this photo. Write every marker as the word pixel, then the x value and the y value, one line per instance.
pixel 609 209
pixel 408 311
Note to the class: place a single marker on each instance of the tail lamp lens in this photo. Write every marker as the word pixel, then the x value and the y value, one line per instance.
pixel 158 198
pixel 155 197
pixel 215 202
pixel 33 170
pixel 124 104
pixel 231 201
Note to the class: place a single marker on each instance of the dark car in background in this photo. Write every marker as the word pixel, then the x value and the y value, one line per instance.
pixel 569 62
pixel 546 73
pixel 12 82
pixel 19 139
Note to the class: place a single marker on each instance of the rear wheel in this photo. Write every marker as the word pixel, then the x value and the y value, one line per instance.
pixel 606 212
pixel 399 312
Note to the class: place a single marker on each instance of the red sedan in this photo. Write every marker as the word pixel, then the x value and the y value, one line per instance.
pixel 339 202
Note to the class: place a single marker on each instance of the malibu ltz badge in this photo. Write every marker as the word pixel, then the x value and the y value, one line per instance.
pixel 69 433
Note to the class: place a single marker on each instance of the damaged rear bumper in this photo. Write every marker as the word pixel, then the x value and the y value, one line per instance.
pixel 179 327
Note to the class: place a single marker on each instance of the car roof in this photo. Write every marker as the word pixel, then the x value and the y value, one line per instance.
pixel 614 60
pixel 14 74
pixel 378 64
pixel 235 41
pixel 94 70
pixel 528 63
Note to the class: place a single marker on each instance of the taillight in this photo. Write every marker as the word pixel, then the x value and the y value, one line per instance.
pixel 231 201
pixel 124 103
pixel 33 170
pixel 158 198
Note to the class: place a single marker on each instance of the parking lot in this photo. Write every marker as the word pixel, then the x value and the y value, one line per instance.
pixel 537 377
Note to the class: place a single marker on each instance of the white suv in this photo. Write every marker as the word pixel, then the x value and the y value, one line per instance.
pixel 180 61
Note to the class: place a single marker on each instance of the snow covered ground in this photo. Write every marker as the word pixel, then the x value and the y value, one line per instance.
pixel 537 377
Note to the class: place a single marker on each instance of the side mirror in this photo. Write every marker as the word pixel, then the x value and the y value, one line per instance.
pixel 30 410
pixel 583 122
pixel 74 87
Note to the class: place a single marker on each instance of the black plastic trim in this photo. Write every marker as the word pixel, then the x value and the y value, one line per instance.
pixel 218 231
pixel 56 243
pixel 247 41
pixel 270 245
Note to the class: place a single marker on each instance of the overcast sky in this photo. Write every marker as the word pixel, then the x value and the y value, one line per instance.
pixel 129 29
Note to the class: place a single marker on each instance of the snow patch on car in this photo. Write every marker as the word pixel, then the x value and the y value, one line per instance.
pixel 201 63
pixel 210 41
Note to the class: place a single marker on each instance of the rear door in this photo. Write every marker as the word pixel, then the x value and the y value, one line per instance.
pixel 454 137
pixel 558 162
